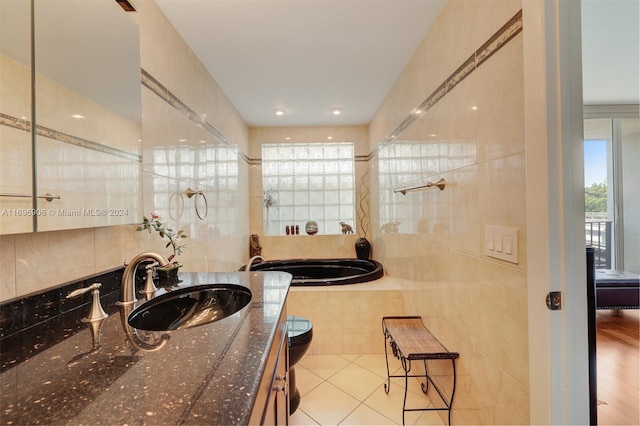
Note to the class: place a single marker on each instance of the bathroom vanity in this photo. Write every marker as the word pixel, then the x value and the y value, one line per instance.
pixel 231 371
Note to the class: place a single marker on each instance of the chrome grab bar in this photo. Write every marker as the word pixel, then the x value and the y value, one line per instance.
pixel 439 184
pixel 47 196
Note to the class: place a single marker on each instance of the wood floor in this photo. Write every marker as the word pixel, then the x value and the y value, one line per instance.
pixel 618 367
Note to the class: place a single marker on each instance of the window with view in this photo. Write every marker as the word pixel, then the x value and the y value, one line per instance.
pixel 304 182
pixel 612 222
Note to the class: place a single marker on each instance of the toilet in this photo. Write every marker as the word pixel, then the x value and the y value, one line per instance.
pixel 300 331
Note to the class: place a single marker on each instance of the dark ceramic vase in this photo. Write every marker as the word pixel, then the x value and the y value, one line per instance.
pixel 169 271
pixel 363 248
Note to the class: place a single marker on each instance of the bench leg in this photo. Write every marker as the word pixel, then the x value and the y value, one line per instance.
pixel 387 386
pixel 425 385
pixel 406 366
pixel 453 390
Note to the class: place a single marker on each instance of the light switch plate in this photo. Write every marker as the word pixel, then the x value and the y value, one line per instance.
pixel 501 243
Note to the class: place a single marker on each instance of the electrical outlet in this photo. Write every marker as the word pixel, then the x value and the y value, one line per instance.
pixel 501 243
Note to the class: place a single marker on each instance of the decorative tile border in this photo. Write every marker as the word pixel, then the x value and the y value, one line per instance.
pixel 15 122
pixel 434 97
pixel 461 73
pixel 498 40
pixel 165 94
pixel 85 143
pixel 25 125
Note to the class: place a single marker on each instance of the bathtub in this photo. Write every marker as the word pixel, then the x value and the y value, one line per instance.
pixel 323 272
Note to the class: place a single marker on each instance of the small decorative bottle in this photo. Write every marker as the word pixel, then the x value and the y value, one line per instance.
pixel 297 229
pixel 287 230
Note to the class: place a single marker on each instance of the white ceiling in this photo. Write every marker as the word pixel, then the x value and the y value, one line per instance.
pixel 611 51
pixel 303 56
pixel 309 56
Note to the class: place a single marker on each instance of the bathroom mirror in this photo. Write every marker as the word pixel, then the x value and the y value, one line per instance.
pixel 87 108
pixel 15 117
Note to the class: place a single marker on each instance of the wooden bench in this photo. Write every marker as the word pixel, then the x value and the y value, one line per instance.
pixel 410 340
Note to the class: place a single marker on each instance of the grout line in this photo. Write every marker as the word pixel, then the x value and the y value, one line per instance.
pixel 398 382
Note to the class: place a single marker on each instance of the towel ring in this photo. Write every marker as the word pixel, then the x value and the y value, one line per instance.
pixel 190 193
pixel 180 205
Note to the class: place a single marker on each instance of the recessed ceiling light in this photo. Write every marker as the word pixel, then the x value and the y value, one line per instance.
pixel 287 138
pixel 278 112
pixel 182 140
pixel 336 111
pixel 329 137
pixel 77 116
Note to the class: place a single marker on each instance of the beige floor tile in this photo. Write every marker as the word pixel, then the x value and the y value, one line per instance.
pixel 306 380
pixel 300 418
pixel 364 415
pixel 328 405
pixel 432 418
pixel 357 381
pixel 350 357
pixel 415 384
pixel 334 386
pixel 390 405
pixel 376 364
pixel 324 366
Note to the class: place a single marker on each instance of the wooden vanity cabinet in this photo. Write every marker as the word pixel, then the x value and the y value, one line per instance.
pixel 272 403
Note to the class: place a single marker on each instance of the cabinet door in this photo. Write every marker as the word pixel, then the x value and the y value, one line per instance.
pixel 277 409
pixel 282 380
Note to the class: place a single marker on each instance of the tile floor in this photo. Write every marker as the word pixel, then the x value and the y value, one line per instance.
pixel 349 390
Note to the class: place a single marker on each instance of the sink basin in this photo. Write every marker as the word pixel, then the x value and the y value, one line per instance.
pixel 190 307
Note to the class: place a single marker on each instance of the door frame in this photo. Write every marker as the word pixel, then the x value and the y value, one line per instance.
pixel 558 346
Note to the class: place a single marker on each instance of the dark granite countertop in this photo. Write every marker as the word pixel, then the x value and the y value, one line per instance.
pixel 203 375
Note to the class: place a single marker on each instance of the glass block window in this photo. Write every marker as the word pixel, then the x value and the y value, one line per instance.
pixel 212 168
pixel 308 182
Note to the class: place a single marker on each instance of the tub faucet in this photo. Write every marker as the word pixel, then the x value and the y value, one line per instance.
pixel 127 287
pixel 254 259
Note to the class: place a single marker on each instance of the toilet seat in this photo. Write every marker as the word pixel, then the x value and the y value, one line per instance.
pixel 300 330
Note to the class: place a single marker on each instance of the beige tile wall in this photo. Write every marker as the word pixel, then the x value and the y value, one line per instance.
pixel 347 319
pixel 474 304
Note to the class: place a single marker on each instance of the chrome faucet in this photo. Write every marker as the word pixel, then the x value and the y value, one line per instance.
pixel 128 285
pixel 253 260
